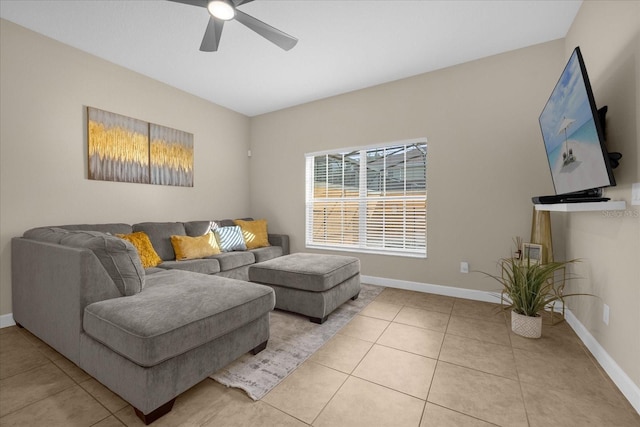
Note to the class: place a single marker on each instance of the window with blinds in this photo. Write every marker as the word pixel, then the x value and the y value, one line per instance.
pixel 371 199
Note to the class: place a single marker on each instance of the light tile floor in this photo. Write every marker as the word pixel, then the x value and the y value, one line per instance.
pixel 408 359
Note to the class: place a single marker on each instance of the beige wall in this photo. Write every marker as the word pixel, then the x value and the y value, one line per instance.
pixel 485 161
pixel 45 87
pixel 485 157
pixel 608 34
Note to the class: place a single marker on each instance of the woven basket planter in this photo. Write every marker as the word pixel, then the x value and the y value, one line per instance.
pixel 526 326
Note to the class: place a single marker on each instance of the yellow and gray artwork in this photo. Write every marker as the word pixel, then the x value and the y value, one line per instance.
pixel 171 156
pixel 124 149
pixel 118 147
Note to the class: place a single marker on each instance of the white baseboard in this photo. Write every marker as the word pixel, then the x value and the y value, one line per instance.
pixel 449 291
pixel 6 320
pixel 628 388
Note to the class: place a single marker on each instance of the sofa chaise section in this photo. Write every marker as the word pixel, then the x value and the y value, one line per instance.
pixel 166 320
pixel 153 357
pixel 148 335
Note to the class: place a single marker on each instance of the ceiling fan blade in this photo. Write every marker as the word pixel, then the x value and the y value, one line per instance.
pixel 285 41
pixel 237 3
pixel 201 3
pixel 212 35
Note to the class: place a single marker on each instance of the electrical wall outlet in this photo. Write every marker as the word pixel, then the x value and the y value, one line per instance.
pixel 464 267
pixel 635 194
pixel 605 314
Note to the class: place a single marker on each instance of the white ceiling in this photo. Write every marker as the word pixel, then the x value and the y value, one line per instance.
pixel 344 45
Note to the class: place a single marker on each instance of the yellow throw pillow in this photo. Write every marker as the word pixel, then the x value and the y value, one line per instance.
pixel 254 232
pixel 143 245
pixel 187 247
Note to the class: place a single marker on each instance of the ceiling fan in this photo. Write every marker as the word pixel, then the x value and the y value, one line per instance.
pixel 226 10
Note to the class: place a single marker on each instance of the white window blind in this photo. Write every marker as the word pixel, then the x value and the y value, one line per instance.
pixel 371 199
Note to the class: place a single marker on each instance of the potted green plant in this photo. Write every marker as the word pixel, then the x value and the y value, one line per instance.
pixel 528 288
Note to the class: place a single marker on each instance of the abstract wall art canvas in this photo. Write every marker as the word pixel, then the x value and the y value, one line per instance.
pixel 171 153
pixel 124 149
pixel 118 147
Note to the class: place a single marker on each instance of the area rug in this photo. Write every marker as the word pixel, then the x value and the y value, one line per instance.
pixel 293 338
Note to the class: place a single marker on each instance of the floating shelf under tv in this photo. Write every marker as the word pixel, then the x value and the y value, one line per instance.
pixel 584 207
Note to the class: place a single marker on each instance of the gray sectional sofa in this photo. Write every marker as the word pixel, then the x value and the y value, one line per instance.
pixel 147 334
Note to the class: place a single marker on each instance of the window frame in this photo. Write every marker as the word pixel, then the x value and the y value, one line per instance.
pixel 362 199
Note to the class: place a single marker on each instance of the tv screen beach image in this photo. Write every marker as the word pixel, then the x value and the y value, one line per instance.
pixel 570 135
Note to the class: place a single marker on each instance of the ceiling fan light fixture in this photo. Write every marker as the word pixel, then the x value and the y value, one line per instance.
pixel 221 9
pixel 225 10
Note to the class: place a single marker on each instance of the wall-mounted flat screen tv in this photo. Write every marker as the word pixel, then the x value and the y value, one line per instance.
pixel 573 134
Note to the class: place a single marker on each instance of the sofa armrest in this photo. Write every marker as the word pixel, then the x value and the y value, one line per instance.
pixel 280 240
pixel 51 285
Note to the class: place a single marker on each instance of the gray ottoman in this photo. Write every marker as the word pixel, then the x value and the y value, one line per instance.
pixel 310 284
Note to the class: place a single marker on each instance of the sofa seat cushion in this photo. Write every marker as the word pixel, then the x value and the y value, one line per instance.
pixel 230 260
pixel 267 253
pixel 176 312
pixel 202 266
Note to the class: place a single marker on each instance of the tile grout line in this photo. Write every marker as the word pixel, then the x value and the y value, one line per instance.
pixel 99 402
pixel 281 411
pixel 426 398
pixel 464 414
pixel 332 396
pixel 435 369
pixel 515 364
pixel 439 361
pixel 349 375
pixel 29 370
pixel 74 384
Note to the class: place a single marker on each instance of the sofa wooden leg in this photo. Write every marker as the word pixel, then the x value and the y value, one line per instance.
pixel 319 320
pixel 355 297
pixel 19 325
pixel 155 414
pixel 259 348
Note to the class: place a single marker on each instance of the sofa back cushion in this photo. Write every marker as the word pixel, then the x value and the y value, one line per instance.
pixel 198 228
pixel 118 257
pixel 46 234
pixel 109 228
pixel 223 223
pixel 160 235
